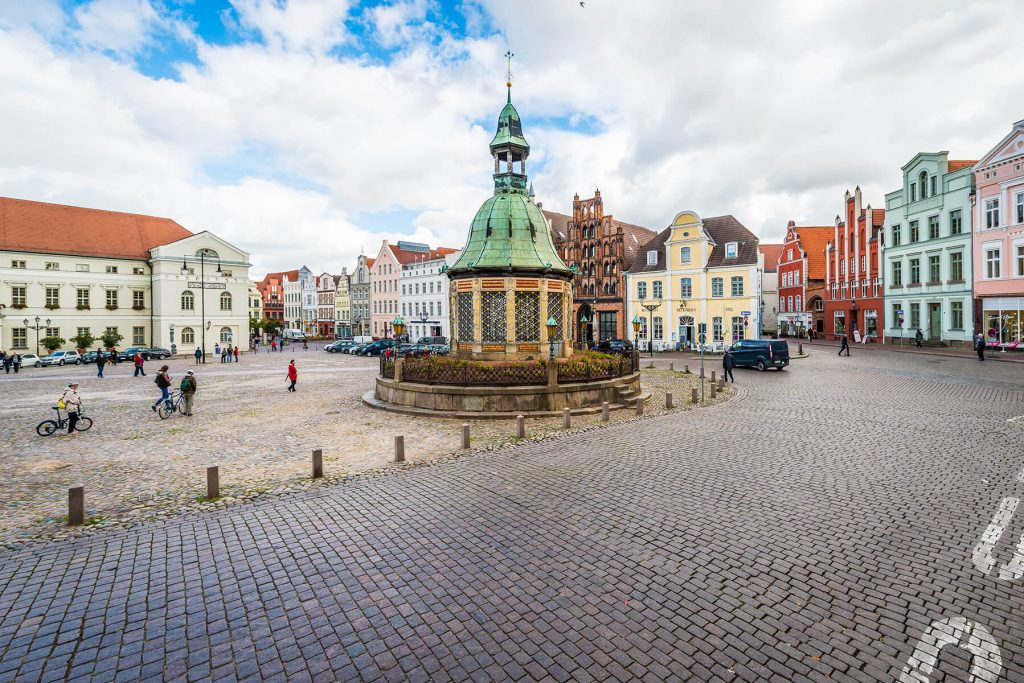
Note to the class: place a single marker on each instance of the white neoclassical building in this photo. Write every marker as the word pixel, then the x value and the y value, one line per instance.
pixel 423 297
pixel 68 270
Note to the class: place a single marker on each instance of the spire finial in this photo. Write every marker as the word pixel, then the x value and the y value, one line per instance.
pixel 508 73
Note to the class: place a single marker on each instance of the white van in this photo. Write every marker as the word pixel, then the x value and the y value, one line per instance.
pixel 362 340
pixel 295 334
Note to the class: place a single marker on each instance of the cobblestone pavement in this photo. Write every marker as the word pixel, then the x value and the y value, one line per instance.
pixel 846 520
pixel 135 466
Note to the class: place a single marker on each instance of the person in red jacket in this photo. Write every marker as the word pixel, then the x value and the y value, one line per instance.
pixel 293 375
pixel 138 364
pixel 236 354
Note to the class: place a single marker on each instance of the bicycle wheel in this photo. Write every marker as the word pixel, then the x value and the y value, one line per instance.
pixel 181 406
pixel 164 412
pixel 46 427
pixel 83 424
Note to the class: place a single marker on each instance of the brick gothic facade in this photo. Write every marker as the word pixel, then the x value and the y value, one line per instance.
pixel 853 280
pixel 603 249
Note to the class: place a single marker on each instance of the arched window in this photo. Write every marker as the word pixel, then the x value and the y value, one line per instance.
pixel 225 301
pixel 225 335
pixel 798 303
pixel 924 184
pixel 188 335
pixel 188 301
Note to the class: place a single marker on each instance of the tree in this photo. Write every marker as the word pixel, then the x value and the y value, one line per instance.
pixel 83 340
pixel 51 344
pixel 111 338
pixel 255 324
pixel 271 326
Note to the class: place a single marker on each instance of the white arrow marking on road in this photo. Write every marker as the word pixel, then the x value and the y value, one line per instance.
pixel 986 661
pixel 982 556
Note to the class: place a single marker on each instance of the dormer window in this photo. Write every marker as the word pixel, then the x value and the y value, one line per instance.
pixel 652 258
pixel 731 249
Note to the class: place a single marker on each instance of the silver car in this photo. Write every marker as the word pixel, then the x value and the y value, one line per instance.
pixel 61 358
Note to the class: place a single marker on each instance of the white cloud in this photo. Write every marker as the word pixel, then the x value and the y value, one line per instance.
pixel 306 25
pixel 120 26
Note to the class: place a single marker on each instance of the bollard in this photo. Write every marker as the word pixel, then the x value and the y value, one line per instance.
pixel 668 400
pixel 76 506
pixel 702 372
pixel 721 383
pixel 212 482
pixel 318 464
pixel 566 418
pixel 712 390
pixel 465 436
pixel 604 411
pixel 399 449
pixel 693 396
pixel 520 426
pixel 650 365
pixel 713 377
pixel 800 348
pixel 639 406
pixel 686 368
pixel 671 367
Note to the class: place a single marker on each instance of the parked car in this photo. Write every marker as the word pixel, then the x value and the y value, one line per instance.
pixel 157 353
pixel 340 346
pixel 376 348
pixel 433 340
pixel 412 350
pixel 60 358
pixel 621 347
pixel 89 357
pixel 355 350
pixel 31 360
pixel 129 353
pixel 761 353
pixel 439 349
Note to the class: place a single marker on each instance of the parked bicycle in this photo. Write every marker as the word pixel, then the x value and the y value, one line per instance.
pixel 177 403
pixel 47 427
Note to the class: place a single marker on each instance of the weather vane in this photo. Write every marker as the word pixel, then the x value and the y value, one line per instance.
pixel 508 73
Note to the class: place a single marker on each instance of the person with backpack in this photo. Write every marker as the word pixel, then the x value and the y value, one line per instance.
pixel 918 338
pixel 273 345
pixel 293 375
pixel 101 361
pixel 163 382
pixel 138 364
pixel 17 363
pixel 188 391
pixel 73 404
pixel 199 355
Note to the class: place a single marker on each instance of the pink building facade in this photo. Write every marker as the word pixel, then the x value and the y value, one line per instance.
pixel 999 241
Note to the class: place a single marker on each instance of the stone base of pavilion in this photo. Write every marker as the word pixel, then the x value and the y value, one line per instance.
pixel 491 402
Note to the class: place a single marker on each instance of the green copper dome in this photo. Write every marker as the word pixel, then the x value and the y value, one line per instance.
pixel 510 129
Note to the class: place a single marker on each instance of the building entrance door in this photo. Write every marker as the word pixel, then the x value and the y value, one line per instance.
pixel 934 321
pixel 686 331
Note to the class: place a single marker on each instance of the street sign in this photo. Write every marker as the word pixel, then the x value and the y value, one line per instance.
pixel 208 285
pixel 744 312
pixel 899 311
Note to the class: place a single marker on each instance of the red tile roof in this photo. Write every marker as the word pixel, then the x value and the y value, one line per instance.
pixel 958 164
pixel 59 229
pixel 404 256
pixel 370 262
pixel 878 217
pixel 771 252
pixel 813 240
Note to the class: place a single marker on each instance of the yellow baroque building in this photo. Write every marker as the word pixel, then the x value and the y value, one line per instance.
pixel 697 276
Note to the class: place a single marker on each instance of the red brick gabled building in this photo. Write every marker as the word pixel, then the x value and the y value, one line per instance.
pixel 801 270
pixel 853 279
pixel 271 288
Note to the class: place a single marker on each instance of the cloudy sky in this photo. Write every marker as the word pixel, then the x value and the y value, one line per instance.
pixel 305 131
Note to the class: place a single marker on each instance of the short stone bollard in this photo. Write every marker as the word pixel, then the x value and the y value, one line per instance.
pixel 604 411
pixel 650 365
pixel 671 367
pixel 721 382
pixel 639 406
pixel 686 368
pixel 213 482
pixel 399 449
pixel 566 418
pixel 520 427
pixel 712 390
pixel 713 377
pixel 800 348
pixel 465 436
pixel 694 396
pixel 318 464
pixel 76 506
pixel 668 400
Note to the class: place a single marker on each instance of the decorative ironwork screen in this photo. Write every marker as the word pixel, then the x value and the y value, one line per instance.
pixel 465 313
pixel 527 317
pixel 493 316
pixel 555 311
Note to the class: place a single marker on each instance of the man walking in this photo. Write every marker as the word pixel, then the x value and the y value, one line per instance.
pixel 844 344
pixel 101 361
pixel 17 363
pixel 8 362
pixel 728 362
pixel 918 338
pixel 188 391
pixel 293 375
pixel 73 404
pixel 979 346
pixel 138 364
pixel 236 354
pixel 199 355
pixel 163 382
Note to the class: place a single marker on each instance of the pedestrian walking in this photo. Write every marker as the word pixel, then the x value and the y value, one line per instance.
pixel 8 362
pixel 17 363
pixel 101 361
pixel 293 375
pixel 236 354
pixel 979 346
pixel 138 360
pixel 305 346
pixel 188 391
pixel 163 383
pixel 728 363
pixel 199 355
pixel 73 404
pixel 844 344
pixel 918 338
pixel 273 345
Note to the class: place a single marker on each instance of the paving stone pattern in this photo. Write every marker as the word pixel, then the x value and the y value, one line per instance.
pixel 810 529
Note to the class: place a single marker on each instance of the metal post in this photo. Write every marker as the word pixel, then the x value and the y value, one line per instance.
pixel 212 482
pixel 520 427
pixel 202 295
pixel 399 449
pixel 686 369
pixel 604 411
pixel 465 436
pixel 318 464
pixel 76 506
pixel 566 418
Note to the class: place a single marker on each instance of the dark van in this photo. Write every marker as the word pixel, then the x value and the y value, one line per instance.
pixel 761 353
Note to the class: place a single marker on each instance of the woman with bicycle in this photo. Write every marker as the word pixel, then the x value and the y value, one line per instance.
pixel 72 404
pixel 163 382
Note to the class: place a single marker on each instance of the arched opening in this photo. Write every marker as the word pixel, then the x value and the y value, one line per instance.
pixel 585 331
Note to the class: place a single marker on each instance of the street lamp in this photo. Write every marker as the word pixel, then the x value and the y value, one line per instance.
pixel 584 321
pixel 202 254
pixel 552 326
pixel 636 332
pixel 398 325
pixel 423 322
pixel 650 332
pixel 37 327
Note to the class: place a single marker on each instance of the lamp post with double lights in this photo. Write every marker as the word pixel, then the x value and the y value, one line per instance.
pixel 202 254
pixel 650 330
pixel 37 327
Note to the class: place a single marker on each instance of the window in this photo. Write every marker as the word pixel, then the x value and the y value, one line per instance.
pixel 686 287
pixel 188 335
pixel 864 263
pixel 897 273
pixel 896 235
pixel 933 190
pixel 51 265
pixel 684 253
pixel 933 227
pixel 956 225
pixel 913 192
pixel 992 212
pixel 782 304
pixel 797 308
pixel 915 316
pixel 819 304
pixel 656 287
pixel 731 249
pixel 138 271
pixel 111 330
pixel 659 328
pixel 789 254
pixel 896 315
pixel 737 327
pixel 992 258
pixel 641 290
pixel 737 285
pixel 139 300
pixel 956 314
pixel 52 297
pixel 716 329
pixel 225 301
pixel 111 269
pixel 82 267
pixel 789 304
pixel 138 336
pixel 1020 207
pixel 915 271
pixel 188 301
pixel 52 332
pixel 225 335
pixel 956 266
pixel 82 331
pixel 1020 260
pixel 224 273
pixel 717 286
pixel 19 338
pixel 652 258
pixel 82 299
pixel 796 277
pixel 913 231
pixel 842 267
pixel 17 264
pixel 111 298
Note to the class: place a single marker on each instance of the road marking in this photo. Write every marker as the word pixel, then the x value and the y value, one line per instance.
pixel 986 661
pixel 982 556
pixel 1020 476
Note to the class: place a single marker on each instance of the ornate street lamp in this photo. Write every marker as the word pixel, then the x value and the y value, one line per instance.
pixel 552 326
pixel 636 333
pixel 37 327
pixel 584 321
pixel 398 325
pixel 2 307
pixel 853 318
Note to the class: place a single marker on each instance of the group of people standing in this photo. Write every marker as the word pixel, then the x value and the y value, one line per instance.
pixel 10 361
pixel 227 354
